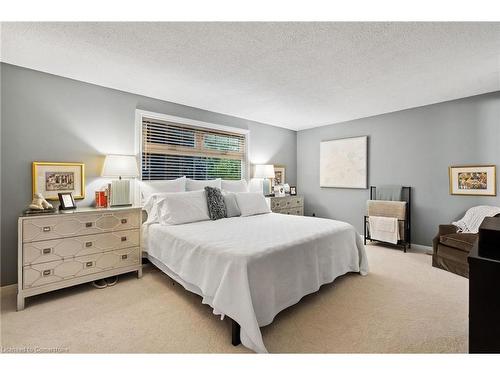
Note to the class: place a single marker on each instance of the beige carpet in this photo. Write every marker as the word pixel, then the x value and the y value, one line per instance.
pixel 403 305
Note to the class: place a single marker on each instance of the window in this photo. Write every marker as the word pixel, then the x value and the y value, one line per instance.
pixel 171 149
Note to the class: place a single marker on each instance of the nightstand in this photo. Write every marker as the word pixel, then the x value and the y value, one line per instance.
pixel 288 205
pixel 73 247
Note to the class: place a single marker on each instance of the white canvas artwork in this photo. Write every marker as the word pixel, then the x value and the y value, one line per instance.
pixel 343 163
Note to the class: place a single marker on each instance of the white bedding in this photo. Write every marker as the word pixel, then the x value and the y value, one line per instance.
pixel 251 268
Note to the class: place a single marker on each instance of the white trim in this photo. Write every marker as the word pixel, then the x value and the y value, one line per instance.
pixel 7 288
pixel 421 248
pixel 187 121
pixel 415 247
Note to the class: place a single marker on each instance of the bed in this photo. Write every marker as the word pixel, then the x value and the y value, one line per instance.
pixel 251 268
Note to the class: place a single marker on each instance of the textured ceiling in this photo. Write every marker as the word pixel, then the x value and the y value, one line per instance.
pixel 293 75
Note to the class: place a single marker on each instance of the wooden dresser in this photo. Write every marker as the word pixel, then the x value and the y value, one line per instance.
pixel 288 205
pixel 74 247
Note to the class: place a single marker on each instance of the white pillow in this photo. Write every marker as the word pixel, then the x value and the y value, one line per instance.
pixel 152 207
pixel 252 204
pixel 232 208
pixel 182 208
pixel 149 188
pixel 233 186
pixel 192 185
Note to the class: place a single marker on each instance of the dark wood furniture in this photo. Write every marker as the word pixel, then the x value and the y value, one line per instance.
pixel 484 290
pixel 489 238
pixel 235 333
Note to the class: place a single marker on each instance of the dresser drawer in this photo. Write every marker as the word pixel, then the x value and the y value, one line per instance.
pixel 37 275
pixel 294 202
pixel 280 203
pixel 53 250
pixel 292 211
pixel 72 224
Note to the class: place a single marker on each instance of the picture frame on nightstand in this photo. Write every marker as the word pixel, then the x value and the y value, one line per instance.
pixel 66 201
pixel 279 191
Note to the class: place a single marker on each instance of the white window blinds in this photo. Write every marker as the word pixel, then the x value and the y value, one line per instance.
pixel 171 150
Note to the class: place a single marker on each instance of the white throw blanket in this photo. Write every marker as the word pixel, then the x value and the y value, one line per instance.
pixel 474 217
pixel 384 229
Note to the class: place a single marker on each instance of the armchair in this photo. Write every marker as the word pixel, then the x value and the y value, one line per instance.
pixel 451 249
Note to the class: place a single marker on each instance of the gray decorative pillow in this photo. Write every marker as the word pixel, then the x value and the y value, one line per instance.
pixel 216 205
pixel 232 208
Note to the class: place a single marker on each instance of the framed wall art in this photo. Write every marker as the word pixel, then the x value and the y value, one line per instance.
pixel 279 175
pixel 52 178
pixel 473 180
pixel 344 163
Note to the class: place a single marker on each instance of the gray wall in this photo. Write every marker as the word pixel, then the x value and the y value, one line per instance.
pixel 412 147
pixel 50 118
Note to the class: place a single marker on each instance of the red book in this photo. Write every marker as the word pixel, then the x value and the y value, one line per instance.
pixel 101 199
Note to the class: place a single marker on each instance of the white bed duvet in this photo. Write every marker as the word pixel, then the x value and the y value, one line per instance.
pixel 251 268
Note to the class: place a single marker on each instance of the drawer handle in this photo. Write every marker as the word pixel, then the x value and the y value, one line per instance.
pixel 88 244
pixel 88 225
pixel 298 201
pixel 287 202
pixel 124 221
pixel 46 229
pixel 124 256
pixel 47 250
pixel 47 272
pixel 89 264
pixel 124 238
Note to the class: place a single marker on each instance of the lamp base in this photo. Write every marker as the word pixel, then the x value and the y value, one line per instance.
pixel 266 186
pixel 119 193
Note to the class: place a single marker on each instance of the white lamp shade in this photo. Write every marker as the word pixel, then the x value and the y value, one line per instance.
pixel 120 166
pixel 264 171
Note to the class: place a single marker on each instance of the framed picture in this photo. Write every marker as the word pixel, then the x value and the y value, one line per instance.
pixel 343 163
pixel 473 180
pixel 51 178
pixel 293 190
pixel 279 191
pixel 279 175
pixel 66 201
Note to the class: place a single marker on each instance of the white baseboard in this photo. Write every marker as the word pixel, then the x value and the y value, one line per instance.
pixel 5 288
pixel 415 248
pixel 421 249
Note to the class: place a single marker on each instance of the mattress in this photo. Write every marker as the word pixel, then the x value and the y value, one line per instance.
pixel 251 268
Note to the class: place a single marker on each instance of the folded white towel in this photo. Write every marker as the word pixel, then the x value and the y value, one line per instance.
pixel 384 229
pixel 474 217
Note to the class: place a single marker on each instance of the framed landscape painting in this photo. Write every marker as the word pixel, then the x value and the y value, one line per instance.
pixel 52 178
pixel 344 163
pixel 473 180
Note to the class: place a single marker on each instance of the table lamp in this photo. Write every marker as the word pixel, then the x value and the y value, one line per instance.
pixel 265 172
pixel 121 166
